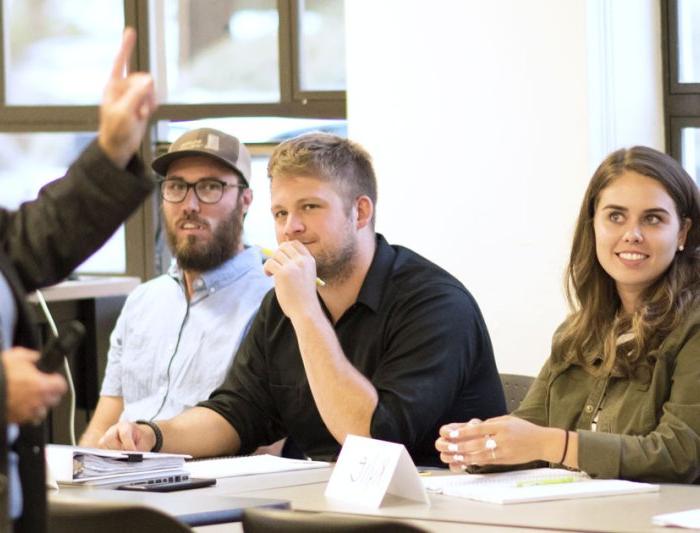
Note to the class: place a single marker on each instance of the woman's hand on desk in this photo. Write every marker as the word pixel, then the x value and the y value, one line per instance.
pixel 505 440
pixel 129 437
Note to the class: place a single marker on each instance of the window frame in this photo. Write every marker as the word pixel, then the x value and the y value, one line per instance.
pixel 681 100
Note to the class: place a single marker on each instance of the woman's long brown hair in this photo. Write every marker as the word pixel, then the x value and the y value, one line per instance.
pixel 592 330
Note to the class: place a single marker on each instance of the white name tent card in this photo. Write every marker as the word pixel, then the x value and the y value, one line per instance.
pixel 369 469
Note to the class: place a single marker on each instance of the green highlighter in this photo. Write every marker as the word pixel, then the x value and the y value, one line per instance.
pixel 550 481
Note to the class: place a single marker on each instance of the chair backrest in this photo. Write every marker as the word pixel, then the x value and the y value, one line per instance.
pixel 515 387
pixel 81 515
pixel 256 520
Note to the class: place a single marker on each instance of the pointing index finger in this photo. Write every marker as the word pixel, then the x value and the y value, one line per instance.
pixel 121 63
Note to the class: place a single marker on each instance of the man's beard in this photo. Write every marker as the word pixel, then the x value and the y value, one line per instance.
pixel 198 255
pixel 337 266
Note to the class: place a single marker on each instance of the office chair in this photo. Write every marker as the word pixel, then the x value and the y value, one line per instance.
pixel 515 387
pixel 277 521
pixel 80 515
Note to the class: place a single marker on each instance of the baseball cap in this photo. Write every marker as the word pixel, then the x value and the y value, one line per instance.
pixel 209 142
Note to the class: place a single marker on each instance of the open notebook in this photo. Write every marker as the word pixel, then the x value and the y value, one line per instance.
pixel 247 465
pixel 539 484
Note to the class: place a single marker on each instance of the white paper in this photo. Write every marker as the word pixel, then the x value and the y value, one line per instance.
pixel 688 519
pixel 369 469
pixel 541 484
pixel 248 465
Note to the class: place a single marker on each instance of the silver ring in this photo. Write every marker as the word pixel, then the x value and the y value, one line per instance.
pixel 490 443
pixel 493 454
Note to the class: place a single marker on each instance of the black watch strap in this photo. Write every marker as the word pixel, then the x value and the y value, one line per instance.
pixel 159 434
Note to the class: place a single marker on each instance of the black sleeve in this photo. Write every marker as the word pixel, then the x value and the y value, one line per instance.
pixel 70 219
pixel 244 398
pixel 435 340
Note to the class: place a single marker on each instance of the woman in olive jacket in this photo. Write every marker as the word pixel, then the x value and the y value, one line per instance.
pixel 619 396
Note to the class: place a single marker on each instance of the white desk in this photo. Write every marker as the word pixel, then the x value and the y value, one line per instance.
pixel 305 491
pixel 204 501
pixel 432 526
pixel 630 513
pixel 88 287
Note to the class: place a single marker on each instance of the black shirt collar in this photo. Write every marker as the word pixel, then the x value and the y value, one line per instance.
pixel 375 282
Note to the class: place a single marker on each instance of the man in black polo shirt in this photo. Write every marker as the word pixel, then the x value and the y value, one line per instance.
pixel 388 345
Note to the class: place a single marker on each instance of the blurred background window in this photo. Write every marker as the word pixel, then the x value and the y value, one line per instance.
pixel 688 41
pixel 59 52
pixel 322 45
pixel 227 52
pixel 30 160
pixel 681 64
pixel 690 152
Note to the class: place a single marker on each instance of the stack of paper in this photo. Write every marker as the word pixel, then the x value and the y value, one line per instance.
pixel 539 484
pixel 91 466
pixel 247 465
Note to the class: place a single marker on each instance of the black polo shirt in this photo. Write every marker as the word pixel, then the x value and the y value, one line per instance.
pixel 415 332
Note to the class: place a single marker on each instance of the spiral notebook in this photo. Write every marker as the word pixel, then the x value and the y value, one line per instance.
pixel 538 484
pixel 247 465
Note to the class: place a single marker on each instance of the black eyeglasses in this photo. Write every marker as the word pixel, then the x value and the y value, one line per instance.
pixel 207 190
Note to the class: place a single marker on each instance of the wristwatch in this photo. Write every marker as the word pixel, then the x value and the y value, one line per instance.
pixel 158 433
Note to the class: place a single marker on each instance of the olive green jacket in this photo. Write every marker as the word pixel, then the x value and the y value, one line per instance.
pixel 645 431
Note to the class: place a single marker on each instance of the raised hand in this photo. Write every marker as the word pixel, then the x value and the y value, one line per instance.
pixel 127 104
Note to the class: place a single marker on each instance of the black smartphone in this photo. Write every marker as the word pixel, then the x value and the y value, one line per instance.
pixel 65 345
pixel 169 486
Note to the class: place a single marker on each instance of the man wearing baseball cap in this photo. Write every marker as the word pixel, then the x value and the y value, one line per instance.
pixel 177 334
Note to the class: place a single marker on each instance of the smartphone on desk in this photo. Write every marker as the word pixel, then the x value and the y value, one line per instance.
pixel 169 486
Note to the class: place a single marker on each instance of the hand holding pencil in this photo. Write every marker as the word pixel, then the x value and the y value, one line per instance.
pixel 270 253
pixel 296 283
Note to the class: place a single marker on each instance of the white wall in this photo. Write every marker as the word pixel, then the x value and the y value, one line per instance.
pixel 624 73
pixel 485 120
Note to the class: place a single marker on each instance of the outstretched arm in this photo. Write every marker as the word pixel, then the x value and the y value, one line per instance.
pixel 199 432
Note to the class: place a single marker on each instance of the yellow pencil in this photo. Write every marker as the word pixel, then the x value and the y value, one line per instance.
pixel 269 253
